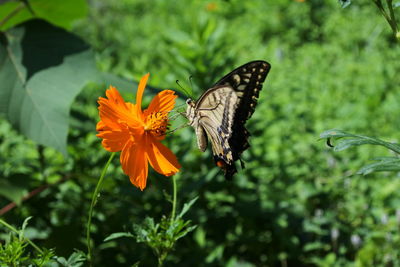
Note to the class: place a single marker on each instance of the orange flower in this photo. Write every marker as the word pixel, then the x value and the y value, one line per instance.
pixel 124 126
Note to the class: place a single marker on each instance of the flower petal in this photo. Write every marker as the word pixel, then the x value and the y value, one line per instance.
pixel 164 101
pixel 113 140
pixel 139 94
pixel 161 158
pixel 113 110
pixel 134 163
pixel 101 126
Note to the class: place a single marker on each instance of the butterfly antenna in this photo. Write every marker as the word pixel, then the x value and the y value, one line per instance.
pixel 191 82
pixel 179 113
pixel 178 128
pixel 183 89
pixel 178 106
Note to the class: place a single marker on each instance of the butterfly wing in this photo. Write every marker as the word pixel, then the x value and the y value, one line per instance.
pixel 212 117
pixel 247 81
pixel 221 112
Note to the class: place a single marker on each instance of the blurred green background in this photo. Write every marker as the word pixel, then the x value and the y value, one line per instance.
pixel 297 203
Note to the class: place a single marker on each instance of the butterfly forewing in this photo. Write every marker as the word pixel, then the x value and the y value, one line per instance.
pixel 247 81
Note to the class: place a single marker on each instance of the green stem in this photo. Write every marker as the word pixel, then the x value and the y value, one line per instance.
pixel 389 18
pixel 392 16
pixel 18 232
pixel 174 198
pixel 94 200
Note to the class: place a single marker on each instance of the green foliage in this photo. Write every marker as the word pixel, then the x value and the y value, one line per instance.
pixel 381 164
pixel 13 252
pixel 76 259
pixel 160 237
pixel 378 246
pixel 296 204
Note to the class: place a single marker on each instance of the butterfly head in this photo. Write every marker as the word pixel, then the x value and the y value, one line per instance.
pixel 190 102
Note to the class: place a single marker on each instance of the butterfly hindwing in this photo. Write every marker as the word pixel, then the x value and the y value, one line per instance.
pixel 212 117
pixel 221 112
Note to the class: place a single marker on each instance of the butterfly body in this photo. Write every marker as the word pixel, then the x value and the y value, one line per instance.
pixel 220 114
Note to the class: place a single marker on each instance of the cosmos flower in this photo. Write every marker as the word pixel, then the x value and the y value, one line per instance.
pixel 138 133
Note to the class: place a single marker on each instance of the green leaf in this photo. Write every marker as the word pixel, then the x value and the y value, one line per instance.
pixel 357 140
pixel 215 254
pixel 118 235
pixel 122 84
pixel 25 223
pixel 58 12
pixel 186 207
pixel 344 3
pixel 75 260
pixel 382 164
pixel 42 69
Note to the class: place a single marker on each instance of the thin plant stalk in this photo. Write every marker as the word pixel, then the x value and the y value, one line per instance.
pixel 95 196
pixel 174 197
pixel 161 256
pixel 390 18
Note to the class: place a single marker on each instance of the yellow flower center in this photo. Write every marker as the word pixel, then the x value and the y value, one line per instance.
pixel 156 123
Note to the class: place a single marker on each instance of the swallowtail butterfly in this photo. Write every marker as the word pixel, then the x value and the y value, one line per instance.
pixel 220 114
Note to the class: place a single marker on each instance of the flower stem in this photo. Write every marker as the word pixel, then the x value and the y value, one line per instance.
pixel 174 198
pixel 11 228
pixel 94 201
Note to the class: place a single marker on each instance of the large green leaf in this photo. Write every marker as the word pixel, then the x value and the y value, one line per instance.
pixel 58 12
pixel 42 69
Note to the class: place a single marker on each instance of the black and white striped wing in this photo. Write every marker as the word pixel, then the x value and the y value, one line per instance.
pixel 221 112
pixel 247 81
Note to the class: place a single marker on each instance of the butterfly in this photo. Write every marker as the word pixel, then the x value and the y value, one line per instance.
pixel 220 114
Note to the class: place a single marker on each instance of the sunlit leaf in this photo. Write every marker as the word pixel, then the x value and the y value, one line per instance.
pixel 118 235
pixel 75 260
pixel 42 69
pixel 58 12
pixel 344 3
pixel 382 164
pixel 186 207
pixel 357 140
